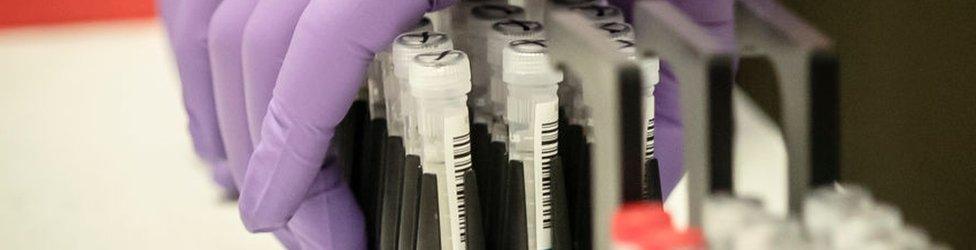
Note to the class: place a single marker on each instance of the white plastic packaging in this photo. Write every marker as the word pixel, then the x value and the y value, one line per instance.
pixel 847 217
pixel 770 233
pixel 724 216
pixel 825 209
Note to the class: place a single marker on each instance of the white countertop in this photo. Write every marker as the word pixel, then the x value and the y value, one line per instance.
pixel 94 151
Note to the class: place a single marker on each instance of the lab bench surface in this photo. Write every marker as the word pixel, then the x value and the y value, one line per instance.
pixel 94 150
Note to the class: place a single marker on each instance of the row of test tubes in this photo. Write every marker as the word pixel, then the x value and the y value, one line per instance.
pixel 506 128
pixel 420 88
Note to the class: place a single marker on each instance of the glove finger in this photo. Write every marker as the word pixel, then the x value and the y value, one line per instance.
pixel 224 46
pixel 717 18
pixel 287 239
pixel 186 25
pixel 333 43
pixel 167 12
pixel 334 206
pixel 266 38
pixel 668 133
pixel 707 11
pixel 189 38
pixel 226 34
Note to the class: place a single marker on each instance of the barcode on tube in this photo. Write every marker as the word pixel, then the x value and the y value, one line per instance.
pixel 462 162
pixel 549 140
pixel 649 142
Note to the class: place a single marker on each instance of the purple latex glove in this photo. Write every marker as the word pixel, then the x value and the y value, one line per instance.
pixel 206 36
pixel 187 24
pixel 301 62
pixel 717 17
pixel 321 73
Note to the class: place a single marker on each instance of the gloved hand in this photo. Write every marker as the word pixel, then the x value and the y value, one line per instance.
pixel 186 25
pixel 717 17
pixel 289 69
pixel 291 186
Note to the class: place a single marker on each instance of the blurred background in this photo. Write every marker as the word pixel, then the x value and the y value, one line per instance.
pixel 94 152
pixel 908 104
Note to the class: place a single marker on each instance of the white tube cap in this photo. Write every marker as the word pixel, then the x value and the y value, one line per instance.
pixel 440 74
pixel 649 66
pixel 484 15
pixel 601 14
pixel 571 3
pixel 723 216
pixel 409 45
pixel 526 62
pixel 504 32
pixel 626 46
pixel 618 30
pixel 424 25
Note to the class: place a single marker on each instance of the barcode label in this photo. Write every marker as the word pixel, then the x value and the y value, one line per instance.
pixel 547 134
pixel 648 144
pixel 649 128
pixel 458 143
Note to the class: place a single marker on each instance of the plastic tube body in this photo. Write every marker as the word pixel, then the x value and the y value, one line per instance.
pixel 650 70
pixel 479 23
pixel 439 83
pixel 397 89
pixel 502 33
pixel 533 118
pixel 376 72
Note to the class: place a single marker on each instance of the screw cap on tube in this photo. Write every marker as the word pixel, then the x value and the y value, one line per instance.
pixel 618 30
pixel 409 45
pixel 424 25
pixel 518 28
pixel 769 233
pixel 638 220
pixel 826 208
pixel 649 66
pixel 572 3
pixel 626 46
pixel 910 237
pixel 674 239
pixel 867 225
pixel 504 32
pixel 601 14
pixel 646 226
pixel 484 15
pixel 526 62
pixel 724 215
pixel 440 74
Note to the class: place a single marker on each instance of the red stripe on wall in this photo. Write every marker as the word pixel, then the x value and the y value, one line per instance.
pixel 35 12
